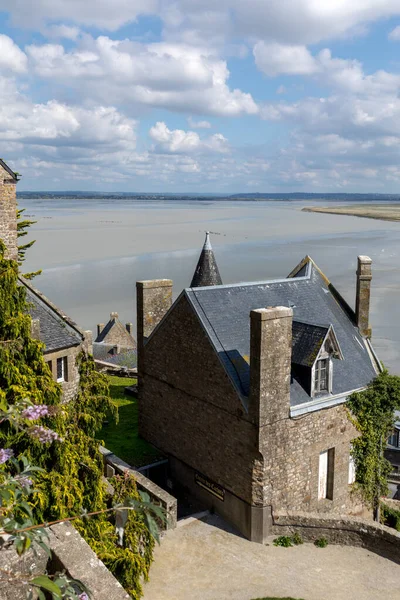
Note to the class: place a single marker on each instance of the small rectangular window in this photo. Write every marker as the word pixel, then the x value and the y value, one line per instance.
pixel 326 474
pixel 394 439
pixel 321 376
pixel 62 369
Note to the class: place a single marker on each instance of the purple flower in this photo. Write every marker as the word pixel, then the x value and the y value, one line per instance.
pixel 5 454
pixel 25 481
pixel 44 435
pixel 83 596
pixel 32 413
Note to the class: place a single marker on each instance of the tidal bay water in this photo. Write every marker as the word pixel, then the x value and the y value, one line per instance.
pixel 93 251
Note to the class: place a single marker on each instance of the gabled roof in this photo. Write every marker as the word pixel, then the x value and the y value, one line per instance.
pixel 206 272
pixel 57 330
pixel 308 340
pixel 7 168
pixel 116 333
pixel 224 314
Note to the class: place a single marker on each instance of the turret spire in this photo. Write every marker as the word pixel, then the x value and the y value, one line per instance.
pixel 206 272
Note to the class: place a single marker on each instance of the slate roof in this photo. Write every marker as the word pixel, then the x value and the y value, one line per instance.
pixel 55 332
pixel 126 358
pixel 224 313
pixel 115 332
pixel 206 272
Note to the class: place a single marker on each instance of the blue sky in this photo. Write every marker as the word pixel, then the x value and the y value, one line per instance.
pixel 199 96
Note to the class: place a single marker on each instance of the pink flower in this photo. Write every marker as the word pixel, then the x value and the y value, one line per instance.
pixel 44 435
pixel 5 454
pixel 32 413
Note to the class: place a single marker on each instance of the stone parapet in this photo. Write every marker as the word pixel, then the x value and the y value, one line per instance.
pixel 157 494
pixel 349 531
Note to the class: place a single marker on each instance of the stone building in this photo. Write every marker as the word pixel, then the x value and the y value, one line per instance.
pixel 113 338
pixel 62 338
pixel 243 387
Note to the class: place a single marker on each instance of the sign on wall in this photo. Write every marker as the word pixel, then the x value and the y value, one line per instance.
pixel 211 487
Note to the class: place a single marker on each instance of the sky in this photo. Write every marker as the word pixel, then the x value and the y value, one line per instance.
pixel 201 96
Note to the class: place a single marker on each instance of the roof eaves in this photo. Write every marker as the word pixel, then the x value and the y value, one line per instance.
pixel 7 168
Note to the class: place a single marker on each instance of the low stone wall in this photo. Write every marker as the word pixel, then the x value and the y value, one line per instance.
pixel 70 553
pixel 157 494
pixel 348 531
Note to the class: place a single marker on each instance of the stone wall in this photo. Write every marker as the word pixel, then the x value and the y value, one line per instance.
pixel 189 408
pixel 291 450
pixel 71 385
pixel 340 530
pixel 8 213
pixel 157 494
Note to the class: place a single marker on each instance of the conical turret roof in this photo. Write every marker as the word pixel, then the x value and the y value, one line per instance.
pixel 206 272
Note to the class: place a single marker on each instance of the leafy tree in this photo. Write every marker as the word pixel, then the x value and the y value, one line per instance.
pixel 372 413
pixel 22 226
pixel 70 481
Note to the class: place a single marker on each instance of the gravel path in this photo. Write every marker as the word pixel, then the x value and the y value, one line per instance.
pixel 205 560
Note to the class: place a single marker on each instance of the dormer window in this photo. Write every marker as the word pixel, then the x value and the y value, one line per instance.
pixel 314 348
pixel 321 376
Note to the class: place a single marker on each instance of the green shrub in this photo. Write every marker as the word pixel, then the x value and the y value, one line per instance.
pixel 390 516
pixel 297 539
pixel 283 540
pixel 321 542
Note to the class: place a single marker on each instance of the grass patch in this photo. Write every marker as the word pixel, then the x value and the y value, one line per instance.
pixel 123 438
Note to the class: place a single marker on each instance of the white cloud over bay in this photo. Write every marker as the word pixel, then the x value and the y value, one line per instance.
pixel 199 95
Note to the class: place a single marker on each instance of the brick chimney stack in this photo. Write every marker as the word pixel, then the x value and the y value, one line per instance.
pixel 8 210
pixel 364 277
pixel 153 300
pixel 270 363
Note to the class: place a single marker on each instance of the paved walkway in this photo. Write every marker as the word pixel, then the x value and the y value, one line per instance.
pixel 204 560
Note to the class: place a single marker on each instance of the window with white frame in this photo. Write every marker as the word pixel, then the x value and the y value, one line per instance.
pixel 321 376
pixel 62 369
pixel 326 474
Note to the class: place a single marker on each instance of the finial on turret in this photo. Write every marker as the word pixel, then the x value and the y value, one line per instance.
pixel 206 272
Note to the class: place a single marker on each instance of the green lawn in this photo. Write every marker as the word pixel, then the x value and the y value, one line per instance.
pixel 123 438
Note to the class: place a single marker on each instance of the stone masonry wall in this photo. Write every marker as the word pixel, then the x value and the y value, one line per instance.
pixel 190 409
pixel 69 387
pixel 291 450
pixel 8 213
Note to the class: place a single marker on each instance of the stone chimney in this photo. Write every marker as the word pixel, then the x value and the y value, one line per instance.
pixel 8 210
pixel 153 300
pixel 270 364
pixel 129 328
pixel 100 327
pixel 364 277
pixel 88 341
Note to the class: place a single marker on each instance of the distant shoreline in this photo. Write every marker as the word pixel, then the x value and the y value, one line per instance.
pixel 388 212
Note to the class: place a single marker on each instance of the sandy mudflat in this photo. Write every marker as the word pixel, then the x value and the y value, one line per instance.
pixel 384 212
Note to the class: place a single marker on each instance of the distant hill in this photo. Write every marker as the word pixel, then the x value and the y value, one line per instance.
pixel 341 197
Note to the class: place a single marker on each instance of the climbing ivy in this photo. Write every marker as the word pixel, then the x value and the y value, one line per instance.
pixel 372 413
pixel 71 481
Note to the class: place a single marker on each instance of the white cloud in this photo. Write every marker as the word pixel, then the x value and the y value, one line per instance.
pixel 395 34
pixel 174 76
pixel 97 13
pixel 273 58
pixel 62 31
pixel 198 124
pixel 11 56
pixel 178 140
